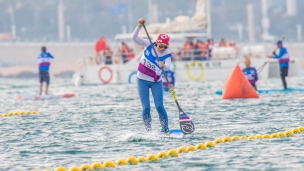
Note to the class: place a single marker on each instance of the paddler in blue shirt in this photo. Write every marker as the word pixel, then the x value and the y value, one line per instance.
pixel 44 62
pixel 170 76
pixel 250 73
pixel 283 58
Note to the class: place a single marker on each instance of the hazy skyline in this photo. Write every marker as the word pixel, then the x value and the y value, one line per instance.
pixel 85 20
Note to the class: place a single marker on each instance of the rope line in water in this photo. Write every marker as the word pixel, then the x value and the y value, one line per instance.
pixel 13 113
pixel 175 152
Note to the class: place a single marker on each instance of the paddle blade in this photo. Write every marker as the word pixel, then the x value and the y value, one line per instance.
pixel 186 125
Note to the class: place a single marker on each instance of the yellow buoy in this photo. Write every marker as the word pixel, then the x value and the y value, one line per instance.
pixel 132 160
pixel 236 138
pixel 96 166
pixel 209 144
pixel 85 167
pixel 243 137
pixel 266 136
pixel 16 113
pixel 5 114
pixel 28 112
pixel 152 157
pixel 60 168
pixel 251 137
pixel 227 139
pixel 218 140
pixel 289 133
pixel 141 159
pixel 296 131
pixel 191 148
pixel 121 161
pixel 301 128
pixel 282 134
pixel 258 136
pixel 172 153
pixel 200 146
pixel 34 112
pixel 182 149
pixel 1 114
pixel 22 112
pixel 11 113
pixel 108 163
pixel 74 168
pixel 162 154
pixel 274 135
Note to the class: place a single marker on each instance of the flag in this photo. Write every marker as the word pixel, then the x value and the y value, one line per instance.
pixel 100 44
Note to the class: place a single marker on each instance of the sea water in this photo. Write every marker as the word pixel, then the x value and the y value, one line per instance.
pixel 93 126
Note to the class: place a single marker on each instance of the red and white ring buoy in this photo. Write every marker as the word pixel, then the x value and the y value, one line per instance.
pixel 100 77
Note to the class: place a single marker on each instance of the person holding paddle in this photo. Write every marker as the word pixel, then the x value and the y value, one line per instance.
pixel 149 76
pixel 250 73
pixel 283 58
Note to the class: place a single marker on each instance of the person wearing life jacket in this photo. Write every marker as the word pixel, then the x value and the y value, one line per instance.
pixel 149 76
pixel 124 49
pixel 222 43
pixel 211 45
pixel 250 73
pixel 232 44
pixel 204 50
pixel 170 76
pixel 197 50
pixel 188 50
pixel 283 58
pixel 44 62
pixel 108 54
pixel 130 55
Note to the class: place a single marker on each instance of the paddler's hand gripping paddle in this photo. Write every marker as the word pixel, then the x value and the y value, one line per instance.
pixel 186 125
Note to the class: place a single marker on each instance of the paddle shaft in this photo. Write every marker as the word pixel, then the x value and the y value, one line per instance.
pixel 170 87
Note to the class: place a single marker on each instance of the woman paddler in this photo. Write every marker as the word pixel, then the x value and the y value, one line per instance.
pixel 149 76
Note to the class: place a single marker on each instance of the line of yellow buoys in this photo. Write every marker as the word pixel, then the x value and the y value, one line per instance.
pixel 174 152
pixel 14 113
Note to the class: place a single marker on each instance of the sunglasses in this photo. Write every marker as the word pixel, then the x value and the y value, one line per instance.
pixel 162 46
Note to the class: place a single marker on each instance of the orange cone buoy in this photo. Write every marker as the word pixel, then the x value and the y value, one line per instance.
pixel 237 86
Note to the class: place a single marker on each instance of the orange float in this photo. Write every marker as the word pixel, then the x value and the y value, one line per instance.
pixel 237 86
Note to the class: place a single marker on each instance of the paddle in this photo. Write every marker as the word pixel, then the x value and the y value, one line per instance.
pixel 262 66
pixel 186 125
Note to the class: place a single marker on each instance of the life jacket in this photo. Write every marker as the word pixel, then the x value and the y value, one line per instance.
pixel 204 48
pixel 124 49
pixel 44 61
pixel 249 74
pixel 148 64
pixel 285 57
pixel 222 44
pixel 108 52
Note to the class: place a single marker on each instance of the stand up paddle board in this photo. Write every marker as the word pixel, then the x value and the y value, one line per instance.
pixel 175 133
pixel 48 96
pixel 263 91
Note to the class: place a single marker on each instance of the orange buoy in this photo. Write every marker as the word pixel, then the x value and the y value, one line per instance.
pixel 237 86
